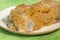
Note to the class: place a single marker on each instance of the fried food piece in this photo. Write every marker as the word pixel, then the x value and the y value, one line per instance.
pixel 34 17
pixel 46 13
pixel 20 16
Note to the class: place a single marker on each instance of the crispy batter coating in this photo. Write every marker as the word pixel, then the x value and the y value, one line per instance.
pixel 43 13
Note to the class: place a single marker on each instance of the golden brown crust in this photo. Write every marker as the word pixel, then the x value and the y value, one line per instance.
pixel 42 14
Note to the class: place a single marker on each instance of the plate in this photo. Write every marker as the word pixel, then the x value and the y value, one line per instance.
pixel 47 29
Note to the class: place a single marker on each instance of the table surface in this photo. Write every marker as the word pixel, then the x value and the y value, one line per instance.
pixel 5 35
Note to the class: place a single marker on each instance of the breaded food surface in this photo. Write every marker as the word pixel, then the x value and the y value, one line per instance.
pixel 34 17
